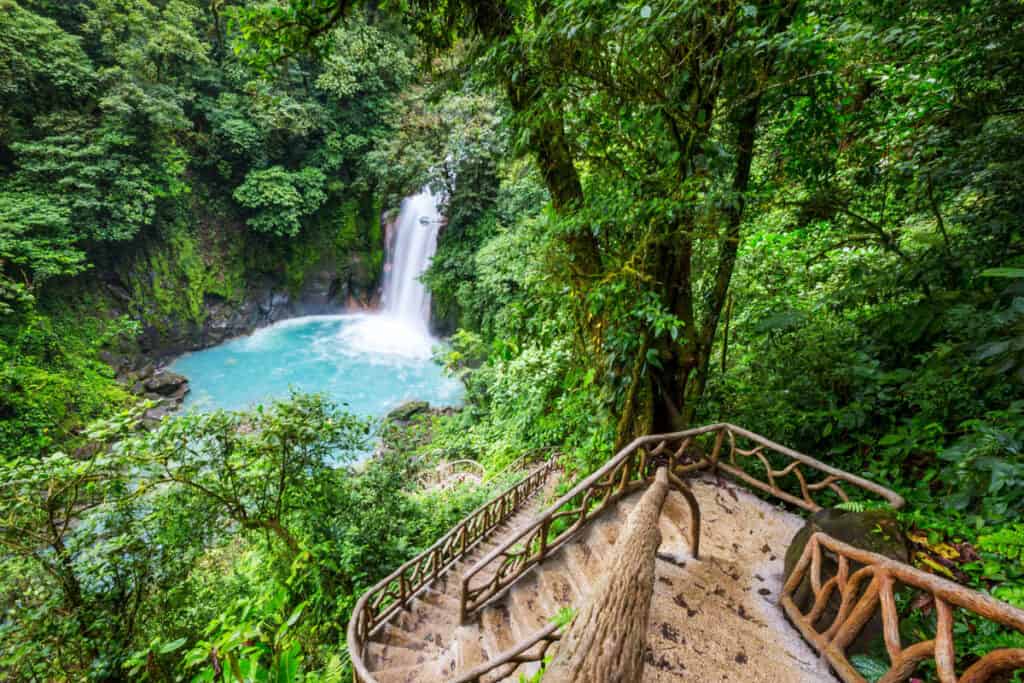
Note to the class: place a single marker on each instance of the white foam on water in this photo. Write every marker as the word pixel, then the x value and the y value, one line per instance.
pixel 386 338
pixel 270 337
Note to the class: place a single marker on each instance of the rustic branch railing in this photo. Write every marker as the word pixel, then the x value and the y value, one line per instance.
pixel 777 465
pixel 532 649
pixel 633 467
pixel 443 473
pixel 379 603
pixel 866 584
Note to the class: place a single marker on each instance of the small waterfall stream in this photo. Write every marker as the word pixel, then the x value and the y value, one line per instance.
pixel 405 297
pixel 402 326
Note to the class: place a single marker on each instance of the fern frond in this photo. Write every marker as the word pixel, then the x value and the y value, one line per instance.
pixel 1008 542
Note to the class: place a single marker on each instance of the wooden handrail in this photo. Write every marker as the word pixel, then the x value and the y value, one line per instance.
pixel 832 481
pixel 866 582
pixel 632 469
pixel 520 653
pixel 380 602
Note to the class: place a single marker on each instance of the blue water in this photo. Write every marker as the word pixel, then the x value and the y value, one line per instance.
pixel 366 362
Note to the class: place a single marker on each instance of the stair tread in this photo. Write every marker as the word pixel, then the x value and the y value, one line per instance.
pixel 557 588
pixel 586 564
pixel 469 650
pixel 440 600
pixel 435 670
pixel 381 656
pixel 496 624
pixel 393 635
pixel 527 606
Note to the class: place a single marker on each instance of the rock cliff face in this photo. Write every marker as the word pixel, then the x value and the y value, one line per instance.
pixel 205 279
pixel 327 289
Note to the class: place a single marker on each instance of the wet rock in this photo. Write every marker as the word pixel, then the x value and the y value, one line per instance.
pixel 407 411
pixel 152 417
pixel 166 383
pixel 877 531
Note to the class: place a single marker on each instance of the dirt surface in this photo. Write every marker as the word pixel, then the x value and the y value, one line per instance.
pixel 717 619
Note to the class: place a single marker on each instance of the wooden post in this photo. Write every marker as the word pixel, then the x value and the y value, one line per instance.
pixel 716 452
pixel 606 640
pixel 542 551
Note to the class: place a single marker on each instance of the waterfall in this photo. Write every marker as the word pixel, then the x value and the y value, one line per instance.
pixel 401 330
pixel 415 241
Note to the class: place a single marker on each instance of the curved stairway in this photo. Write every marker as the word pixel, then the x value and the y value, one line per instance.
pixel 711 619
pixel 479 604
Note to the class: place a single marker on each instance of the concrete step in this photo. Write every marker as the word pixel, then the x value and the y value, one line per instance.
pixel 380 656
pixel 557 588
pixel 436 670
pixel 527 606
pixel 496 624
pixel 393 635
pixel 440 600
pixel 586 566
pixel 427 622
pixel 468 649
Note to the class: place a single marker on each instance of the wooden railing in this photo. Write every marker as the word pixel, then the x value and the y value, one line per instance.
pixel 765 465
pixel 866 584
pixel 532 649
pixel 452 472
pixel 780 471
pixel 632 469
pixel 395 592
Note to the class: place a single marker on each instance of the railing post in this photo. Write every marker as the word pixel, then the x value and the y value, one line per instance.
pixel 717 449
pixel 544 538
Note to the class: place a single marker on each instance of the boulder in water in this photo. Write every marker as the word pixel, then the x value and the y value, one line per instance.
pixel 166 383
pixel 407 411
pixel 876 531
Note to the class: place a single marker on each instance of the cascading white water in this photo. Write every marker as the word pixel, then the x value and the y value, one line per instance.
pixel 368 362
pixel 405 297
pixel 402 328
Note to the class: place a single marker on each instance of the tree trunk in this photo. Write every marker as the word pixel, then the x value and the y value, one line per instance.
pixel 275 527
pixel 544 125
pixel 607 639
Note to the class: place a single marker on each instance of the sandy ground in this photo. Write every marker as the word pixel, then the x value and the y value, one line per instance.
pixel 717 619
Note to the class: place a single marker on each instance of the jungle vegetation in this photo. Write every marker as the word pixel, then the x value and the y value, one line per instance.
pixel 800 216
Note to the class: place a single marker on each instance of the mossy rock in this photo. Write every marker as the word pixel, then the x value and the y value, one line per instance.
pixel 876 531
pixel 407 411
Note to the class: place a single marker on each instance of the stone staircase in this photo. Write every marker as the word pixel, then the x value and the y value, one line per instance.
pixel 712 619
pixel 479 605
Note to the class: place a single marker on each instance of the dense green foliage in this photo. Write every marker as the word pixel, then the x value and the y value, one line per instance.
pixel 234 539
pixel 147 174
pixel 138 153
pixel 801 217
